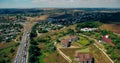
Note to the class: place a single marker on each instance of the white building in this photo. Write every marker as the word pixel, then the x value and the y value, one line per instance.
pixel 88 29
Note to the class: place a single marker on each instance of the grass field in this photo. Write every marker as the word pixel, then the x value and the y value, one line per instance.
pixel 84 50
pixel 5 45
pixel 50 57
pixel 54 58
pixel 70 52
pixel 83 41
pixel 98 55
pixel 7 54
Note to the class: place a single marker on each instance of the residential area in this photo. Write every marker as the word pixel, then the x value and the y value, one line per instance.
pixel 10 36
pixel 59 36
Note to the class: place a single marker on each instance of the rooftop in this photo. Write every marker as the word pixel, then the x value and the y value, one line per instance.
pixel 108 40
pixel 83 57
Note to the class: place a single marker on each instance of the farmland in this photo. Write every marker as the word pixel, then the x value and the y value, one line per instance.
pixel 112 27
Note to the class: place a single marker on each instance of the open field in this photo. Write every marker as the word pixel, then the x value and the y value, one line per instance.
pixel 7 54
pixel 50 57
pixel 54 58
pixel 99 57
pixel 83 41
pixel 112 27
pixel 6 45
pixel 69 52
pixel 38 18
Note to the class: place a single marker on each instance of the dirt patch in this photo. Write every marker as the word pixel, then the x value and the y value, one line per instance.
pixel 38 18
pixel 112 27
pixel 5 45
pixel 70 52
pixel 42 46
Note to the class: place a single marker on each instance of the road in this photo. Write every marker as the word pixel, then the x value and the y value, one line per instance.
pixel 22 53
pixel 66 57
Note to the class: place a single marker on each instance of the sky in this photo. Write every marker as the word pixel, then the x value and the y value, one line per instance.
pixel 60 3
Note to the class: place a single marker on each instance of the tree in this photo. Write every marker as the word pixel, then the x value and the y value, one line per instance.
pixel 33 34
pixel 8 40
pixel 33 42
pixel 104 32
pixel 58 40
pixel 12 50
pixel 42 31
pixel 34 52
pixel 118 46
pixel 1 39
pixel 109 50
pixel 70 31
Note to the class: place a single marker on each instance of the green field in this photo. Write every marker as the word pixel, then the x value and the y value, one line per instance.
pixel 84 50
pixel 83 41
pixel 98 55
pixel 7 54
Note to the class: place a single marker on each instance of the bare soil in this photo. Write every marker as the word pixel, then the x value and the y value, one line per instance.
pixel 112 27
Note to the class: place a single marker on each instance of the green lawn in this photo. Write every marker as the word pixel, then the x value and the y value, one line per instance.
pixel 84 50
pixel 41 59
pixel 83 41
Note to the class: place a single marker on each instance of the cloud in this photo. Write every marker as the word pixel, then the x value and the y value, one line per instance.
pixel 61 3
pixel 78 3
pixel 70 1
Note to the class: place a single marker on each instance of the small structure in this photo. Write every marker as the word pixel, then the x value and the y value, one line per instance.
pixel 107 39
pixel 100 41
pixel 84 57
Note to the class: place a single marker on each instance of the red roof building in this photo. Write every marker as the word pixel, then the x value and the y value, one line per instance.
pixel 83 57
pixel 65 43
pixel 108 40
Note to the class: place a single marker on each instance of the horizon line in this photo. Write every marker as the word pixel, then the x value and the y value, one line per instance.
pixel 60 7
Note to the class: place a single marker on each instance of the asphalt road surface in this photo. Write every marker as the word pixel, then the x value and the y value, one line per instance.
pixel 22 53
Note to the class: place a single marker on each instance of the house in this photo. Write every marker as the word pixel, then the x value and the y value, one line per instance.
pixel 67 42
pixel 73 38
pixel 107 39
pixel 84 57
pixel 88 29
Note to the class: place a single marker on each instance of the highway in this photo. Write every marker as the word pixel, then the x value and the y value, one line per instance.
pixel 22 53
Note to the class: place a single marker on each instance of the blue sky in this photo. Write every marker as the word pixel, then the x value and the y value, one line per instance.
pixel 59 3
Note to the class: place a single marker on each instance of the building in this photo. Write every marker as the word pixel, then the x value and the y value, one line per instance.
pixel 89 29
pixel 84 57
pixel 67 42
pixel 73 38
pixel 107 39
